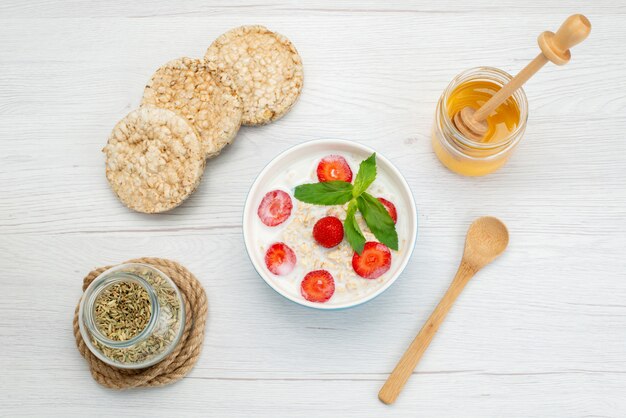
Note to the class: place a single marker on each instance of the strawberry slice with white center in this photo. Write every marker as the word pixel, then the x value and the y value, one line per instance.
pixel 275 208
pixel 334 168
pixel 391 208
pixel 280 259
pixel 374 261
pixel 318 286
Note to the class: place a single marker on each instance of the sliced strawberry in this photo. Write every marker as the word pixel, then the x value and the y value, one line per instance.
pixel 328 232
pixel 275 208
pixel 317 286
pixel 333 168
pixel 280 259
pixel 390 208
pixel 373 262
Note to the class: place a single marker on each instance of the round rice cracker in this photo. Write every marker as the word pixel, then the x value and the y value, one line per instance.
pixel 187 87
pixel 265 68
pixel 154 160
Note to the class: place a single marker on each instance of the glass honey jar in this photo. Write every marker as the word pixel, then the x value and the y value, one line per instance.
pixel 507 123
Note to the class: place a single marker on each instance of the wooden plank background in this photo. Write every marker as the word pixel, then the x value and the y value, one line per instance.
pixel 541 332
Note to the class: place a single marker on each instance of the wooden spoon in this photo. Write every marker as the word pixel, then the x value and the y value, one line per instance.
pixel 554 47
pixel 486 239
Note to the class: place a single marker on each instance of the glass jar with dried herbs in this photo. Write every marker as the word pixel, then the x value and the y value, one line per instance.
pixel 132 316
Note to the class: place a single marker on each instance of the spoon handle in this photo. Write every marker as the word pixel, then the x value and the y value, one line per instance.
pixel 403 370
pixel 554 47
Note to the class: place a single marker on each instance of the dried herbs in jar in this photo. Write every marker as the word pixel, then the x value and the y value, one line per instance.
pixel 132 316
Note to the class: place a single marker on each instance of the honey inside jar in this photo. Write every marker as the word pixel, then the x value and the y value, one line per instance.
pixel 502 121
pixel 506 124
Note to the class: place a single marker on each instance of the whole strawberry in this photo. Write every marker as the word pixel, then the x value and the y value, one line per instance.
pixel 328 232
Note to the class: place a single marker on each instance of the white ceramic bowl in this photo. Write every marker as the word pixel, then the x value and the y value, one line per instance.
pixel 404 203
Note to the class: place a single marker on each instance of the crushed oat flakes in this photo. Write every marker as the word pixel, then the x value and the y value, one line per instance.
pixel 311 256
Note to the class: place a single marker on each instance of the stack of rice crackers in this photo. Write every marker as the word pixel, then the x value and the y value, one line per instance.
pixel 192 108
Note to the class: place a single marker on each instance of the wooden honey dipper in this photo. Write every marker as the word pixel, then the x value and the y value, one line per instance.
pixel 554 47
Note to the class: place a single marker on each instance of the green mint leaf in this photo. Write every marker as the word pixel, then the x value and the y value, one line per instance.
pixel 365 176
pixel 378 220
pixel 325 193
pixel 354 236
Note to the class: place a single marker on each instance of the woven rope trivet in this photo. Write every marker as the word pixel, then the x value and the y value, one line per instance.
pixel 180 361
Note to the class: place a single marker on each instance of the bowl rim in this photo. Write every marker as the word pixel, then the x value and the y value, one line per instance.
pixel 248 212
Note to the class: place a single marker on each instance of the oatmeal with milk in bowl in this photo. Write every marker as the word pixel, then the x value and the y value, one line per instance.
pixel 330 228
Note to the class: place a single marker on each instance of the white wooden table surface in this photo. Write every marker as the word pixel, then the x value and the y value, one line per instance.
pixel 542 332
